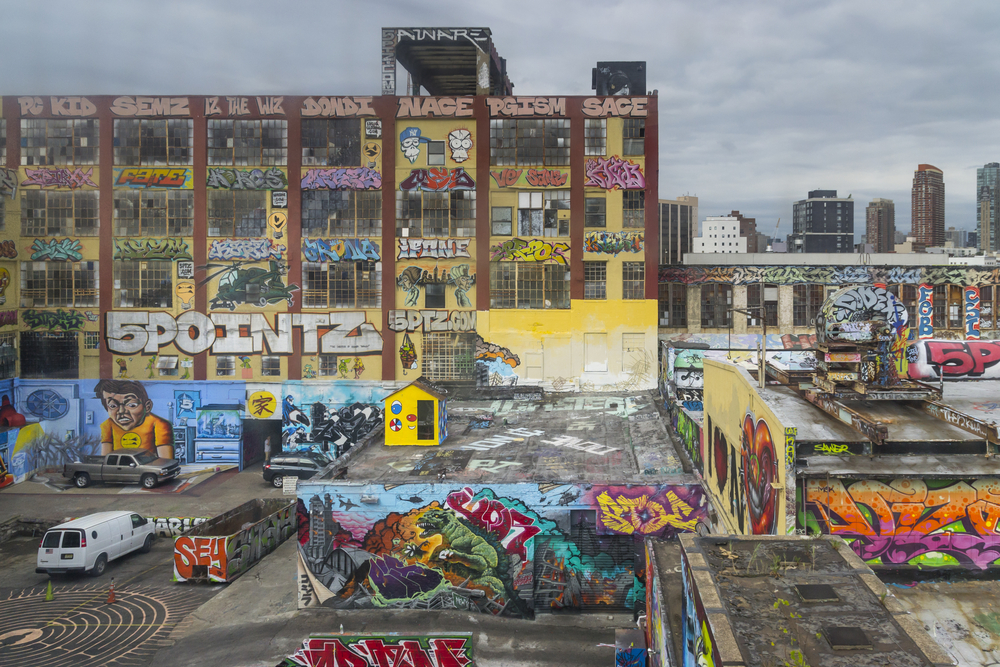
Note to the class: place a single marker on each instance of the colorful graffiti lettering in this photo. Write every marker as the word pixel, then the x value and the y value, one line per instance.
pixel 536 178
pixel 348 250
pixel 454 650
pixel 140 177
pixel 534 250
pixel 57 250
pixel 910 521
pixel 790 433
pixel 249 249
pixel 631 513
pixel 174 526
pixel 331 430
pixel 972 313
pixel 53 320
pixel 690 433
pixel 8 317
pixel 956 359
pixel 59 178
pixel 614 172
pixel 612 243
pixel 352 178
pixel 170 249
pixel 512 527
pixel 247 179
pixel 432 320
pixel 8 182
pixel 207 552
pixel 438 179
pixel 760 471
pixel 832 449
pixel 432 248
pixel 830 275
pixel 8 250
pixel 925 311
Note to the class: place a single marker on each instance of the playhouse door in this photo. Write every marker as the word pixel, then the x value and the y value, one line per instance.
pixel 425 420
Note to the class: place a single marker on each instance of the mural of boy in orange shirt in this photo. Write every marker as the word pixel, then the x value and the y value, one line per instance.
pixel 131 421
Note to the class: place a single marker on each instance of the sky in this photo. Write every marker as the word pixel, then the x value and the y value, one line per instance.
pixel 759 102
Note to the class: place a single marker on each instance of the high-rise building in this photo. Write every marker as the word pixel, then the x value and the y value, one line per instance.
pixel 748 229
pixel 822 223
pixel 720 234
pixel 987 221
pixel 880 225
pixel 927 206
pixel 678 224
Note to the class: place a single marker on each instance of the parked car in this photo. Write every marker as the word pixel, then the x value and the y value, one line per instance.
pixel 123 466
pixel 298 464
pixel 89 543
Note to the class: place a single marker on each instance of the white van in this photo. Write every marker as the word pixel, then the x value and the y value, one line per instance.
pixel 87 544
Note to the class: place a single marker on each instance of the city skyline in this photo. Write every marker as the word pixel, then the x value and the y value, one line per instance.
pixel 847 96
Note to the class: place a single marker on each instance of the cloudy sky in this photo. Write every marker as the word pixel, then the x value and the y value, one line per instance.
pixel 760 102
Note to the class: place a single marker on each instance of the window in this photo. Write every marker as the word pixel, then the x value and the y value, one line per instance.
pixel 241 213
pixel 328 365
pixel 940 305
pixel 985 307
pixel 501 220
pixel 91 340
pixel 595 136
pixel 435 214
pixel 529 142
pixel 595 212
pixel 529 285
pixel 956 307
pixel 225 365
pixel 342 284
pixel 166 365
pixel 247 142
pixel 806 303
pixel 634 208
pixel 762 301
pixel 434 296
pixel 716 300
pixel 8 355
pixel 270 365
pixel 449 356
pixel 673 304
pixel 59 284
pixel 634 136
pixel 435 153
pixel 152 143
pixel 59 213
pixel 633 274
pixel 50 354
pixel 595 280
pixel 554 224
pixel 334 142
pixel 909 299
pixel 538 213
pixel 46 141
pixel 143 284
pixel 350 213
pixel 3 143
pixel 154 213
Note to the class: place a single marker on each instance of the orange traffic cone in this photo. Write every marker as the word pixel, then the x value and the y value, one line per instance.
pixel 111 593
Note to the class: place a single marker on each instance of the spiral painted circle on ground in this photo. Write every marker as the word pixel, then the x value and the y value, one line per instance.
pixel 78 628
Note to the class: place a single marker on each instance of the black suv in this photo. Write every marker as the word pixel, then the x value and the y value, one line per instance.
pixel 298 464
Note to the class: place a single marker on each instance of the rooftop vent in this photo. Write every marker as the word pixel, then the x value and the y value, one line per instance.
pixel 816 593
pixel 847 638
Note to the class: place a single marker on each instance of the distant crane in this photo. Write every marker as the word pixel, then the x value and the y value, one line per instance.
pixel 775 233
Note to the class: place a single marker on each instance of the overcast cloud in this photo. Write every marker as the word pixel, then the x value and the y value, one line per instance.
pixel 759 101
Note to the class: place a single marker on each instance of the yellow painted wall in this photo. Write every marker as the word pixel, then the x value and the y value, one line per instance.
pixel 743 434
pixel 406 413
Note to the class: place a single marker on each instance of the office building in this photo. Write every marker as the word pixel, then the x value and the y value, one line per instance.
pixel 678 223
pixel 880 225
pixel 823 222
pixel 987 191
pixel 720 234
pixel 927 206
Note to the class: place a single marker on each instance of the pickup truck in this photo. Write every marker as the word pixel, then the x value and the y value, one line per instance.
pixel 122 466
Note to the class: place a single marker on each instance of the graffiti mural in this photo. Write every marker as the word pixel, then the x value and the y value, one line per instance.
pixel 131 422
pixel 247 179
pixel 628 512
pixel 760 470
pixel 432 248
pixel 351 178
pixel 60 177
pixel 8 182
pixel 8 250
pixel 53 320
pixel 57 250
pixel 409 143
pixel 925 311
pixel 327 107
pixel 378 650
pixel 955 360
pixel 534 178
pixel 909 521
pixel 460 143
pixel 831 275
pixel 614 173
pixel 413 278
pixel 407 354
pixel 249 249
pixel 698 646
pixel 495 364
pixel 329 429
pixel 534 250
pixel 174 526
pixel 972 313
pixel 689 431
pixel 137 249
pixel 432 320
pixel 348 250
pixel 612 243
pixel 240 284
pixel 154 177
pixel 438 179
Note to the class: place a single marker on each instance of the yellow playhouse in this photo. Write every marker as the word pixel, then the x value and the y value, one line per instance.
pixel 415 415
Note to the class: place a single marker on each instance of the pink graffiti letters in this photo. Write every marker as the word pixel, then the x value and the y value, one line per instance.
pixel 367 651
pixel 337 106
pixel 59 178
pixel 354 178
pixel 958 359
pixel 526 106
pixel 438 180
pixel 530 251
pixel 512 527
pixel 614 172
pixel 536 178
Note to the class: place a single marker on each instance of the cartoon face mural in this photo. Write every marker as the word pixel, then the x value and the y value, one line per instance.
pixel 760 471
pixel 409 142
pixel 459 141
pixel 4 282
pixel 185 292
pixel 131 422
pixel 414 415
pixel 463 282
pixel 409 281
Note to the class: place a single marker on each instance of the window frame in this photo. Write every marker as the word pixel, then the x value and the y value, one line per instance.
pixel 519 277
pixel 244 142
pixel 595 280
pixel 328 152
pixel 71 151
pixel 145 294
pixel 333 290
pixel 361 215
pixel 143 148
pixel 633 288
pixel 82 290
pixel 530 142
pixel 251 224
pixel 80 201
pixel 176 212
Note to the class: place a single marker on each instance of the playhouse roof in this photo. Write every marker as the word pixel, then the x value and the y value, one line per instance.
pixel 423 386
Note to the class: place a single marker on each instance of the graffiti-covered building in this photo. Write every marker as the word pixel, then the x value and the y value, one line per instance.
pixel 470 236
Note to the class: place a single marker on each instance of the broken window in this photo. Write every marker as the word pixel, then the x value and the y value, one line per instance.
pixel 328 365
pixel 143 284
pixel 434 296
pixel 595 212
pixel 341 213
pixel 247 142
pixel 501 220
pixel 435 214
pixel 51 213
pixel 529 285
pixel 225 365
pixel 634 208
pixel 806 303
pixel 166 365
pixel 151 143
pixel 333 142
pixel 716 300
pixel 528 143
pixel 154 213
pixel 762 303
pixel 68 142
pixel 91 340
pixel 50 355
pixel 673 304
pixel 449 356
pixel 342 284
pixel 595 136
pixel 59 284
pixel 634 136
pixel 8 355
pixel 270 365
pixel 240 213
pixel 633 280
pixel 595 280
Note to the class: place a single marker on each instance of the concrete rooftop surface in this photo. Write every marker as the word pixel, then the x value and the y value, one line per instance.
pixel 618 438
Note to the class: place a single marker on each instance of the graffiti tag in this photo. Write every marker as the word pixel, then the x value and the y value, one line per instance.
pixel 526 106
pixel 170 248
pixel 415 107
pixel 603 107
pixel 8 182
pixel 972 313
pixel 536 178
pixel 66 320
pixel 8 250
pixel 433 248
pixel 134 177
pixel 438 179
pixel 534 250
pixel 352 178
pixel 613 172
pixel 612 243
pixel 925 311
pixel 349 250
pixel 383 651
pixel 328 107
pixel 512 527
pixel 57 250
pixel 432 320
pixel 8 317
pixel 247 179
pixel 251 249
pixel 150 106
pixel 59 178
